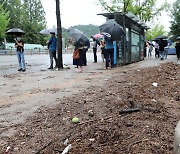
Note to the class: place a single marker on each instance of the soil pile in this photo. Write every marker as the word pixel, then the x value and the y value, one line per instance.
pixel 134 112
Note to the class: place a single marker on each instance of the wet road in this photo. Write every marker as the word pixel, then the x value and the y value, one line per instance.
pixel 9 64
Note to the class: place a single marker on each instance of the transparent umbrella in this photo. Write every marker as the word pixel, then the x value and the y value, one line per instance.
pixel 79 38
pixel 48 31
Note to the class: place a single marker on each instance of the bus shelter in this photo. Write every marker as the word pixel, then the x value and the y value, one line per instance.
pixel 132 47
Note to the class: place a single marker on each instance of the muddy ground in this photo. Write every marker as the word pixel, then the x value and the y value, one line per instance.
pixel 105 126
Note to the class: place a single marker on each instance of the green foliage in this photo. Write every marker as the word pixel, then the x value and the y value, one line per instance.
pixel 156 31
pixel 87 29
pixel 27 15
pixel 146 10
pixel 175 15
pixel 4 21
pixel 34 21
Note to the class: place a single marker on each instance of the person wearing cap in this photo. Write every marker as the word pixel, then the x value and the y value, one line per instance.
pixel 52 45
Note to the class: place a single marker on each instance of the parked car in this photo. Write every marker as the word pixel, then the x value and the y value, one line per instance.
pixel 172 50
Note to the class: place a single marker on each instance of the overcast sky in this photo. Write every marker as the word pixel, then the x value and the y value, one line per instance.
pixel 83 12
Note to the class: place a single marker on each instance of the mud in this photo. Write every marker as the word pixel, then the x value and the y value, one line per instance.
pixel 37 108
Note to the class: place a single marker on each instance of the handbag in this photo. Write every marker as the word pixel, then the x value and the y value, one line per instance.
pixel 76 54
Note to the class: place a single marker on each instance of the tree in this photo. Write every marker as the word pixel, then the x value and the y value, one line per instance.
pixel 175 15
pixel 15 11
pixel 146 10
pixel 4 21
pixel 59 35
pixel 27 15
pixel 33 21
pixel 87 29
pixel 154 32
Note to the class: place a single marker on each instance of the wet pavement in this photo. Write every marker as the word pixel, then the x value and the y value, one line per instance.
pixel 9 64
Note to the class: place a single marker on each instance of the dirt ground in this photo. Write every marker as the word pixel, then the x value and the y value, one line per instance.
pixel 125 110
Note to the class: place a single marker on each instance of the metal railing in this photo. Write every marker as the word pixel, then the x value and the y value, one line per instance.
pixel 35 51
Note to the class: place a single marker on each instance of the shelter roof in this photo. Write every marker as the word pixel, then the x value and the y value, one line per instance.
pixel 130 17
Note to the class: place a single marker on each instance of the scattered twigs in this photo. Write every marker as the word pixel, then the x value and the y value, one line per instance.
pixel 136 142
pixel 45 146
pixel 95 120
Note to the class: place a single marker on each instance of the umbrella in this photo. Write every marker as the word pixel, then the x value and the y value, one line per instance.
pixel 15 31
pixel 178 38
pixel 155 39
pixel 161 37
pixel 98 35
pixel 150 43
pixel 48 31
pixel 113 28
pixel 79 38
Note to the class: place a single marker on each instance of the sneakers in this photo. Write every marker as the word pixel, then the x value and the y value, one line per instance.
pixel 23 70
pixel 20 69
pixel 50 68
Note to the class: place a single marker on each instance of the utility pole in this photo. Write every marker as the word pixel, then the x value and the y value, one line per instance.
pixel 59 36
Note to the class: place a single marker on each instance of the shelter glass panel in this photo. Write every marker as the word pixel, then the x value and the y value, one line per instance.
pixel 134 47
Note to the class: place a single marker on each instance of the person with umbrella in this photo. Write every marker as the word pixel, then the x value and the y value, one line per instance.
pixel 178 48
pixel 81 44
pixel 112 31
pixel 20 53
pixel 52 45
pixel 109 52
pixel 19 45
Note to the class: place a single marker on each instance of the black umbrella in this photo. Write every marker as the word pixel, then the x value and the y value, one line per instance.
pixel 161 37
pixel 155 39
pixel 15 31
pixel 178 38
pixel 79 38
pixel 111 27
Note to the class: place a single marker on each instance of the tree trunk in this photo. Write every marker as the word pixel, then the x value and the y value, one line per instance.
pixel 59 36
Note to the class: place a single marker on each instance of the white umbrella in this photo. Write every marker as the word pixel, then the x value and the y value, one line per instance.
pixel 48 31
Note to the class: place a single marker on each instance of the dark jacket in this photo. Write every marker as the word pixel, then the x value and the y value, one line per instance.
pixel 19 48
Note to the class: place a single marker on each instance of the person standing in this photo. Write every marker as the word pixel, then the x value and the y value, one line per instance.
pixel 95 43
pixel 52 45
pixel 102 46
pixel 79 60
pixel 162 45
pixel 178 49
pixel 20 53
pixel 150 49
pixel 109 52
pixel 87 46
pixel 156 46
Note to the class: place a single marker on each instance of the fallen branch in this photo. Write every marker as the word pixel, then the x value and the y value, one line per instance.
pixel 130 110
pixel 136 107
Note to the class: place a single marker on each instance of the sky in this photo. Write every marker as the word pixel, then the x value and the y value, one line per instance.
pixel 73 12
pixel 84 12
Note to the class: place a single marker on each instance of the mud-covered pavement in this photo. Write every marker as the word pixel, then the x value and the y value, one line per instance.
pixel 36 109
